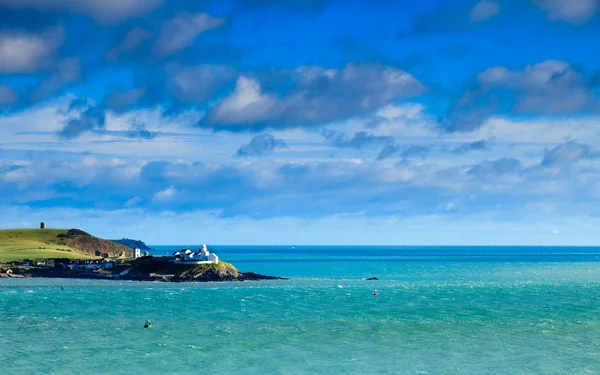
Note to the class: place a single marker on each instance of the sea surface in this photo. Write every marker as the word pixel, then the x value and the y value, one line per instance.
pixel 440 310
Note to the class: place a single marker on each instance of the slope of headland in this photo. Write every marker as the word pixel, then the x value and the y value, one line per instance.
pixel 132 243
pixel 40 244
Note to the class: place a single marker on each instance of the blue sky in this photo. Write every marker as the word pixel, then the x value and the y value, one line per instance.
pixel 444 122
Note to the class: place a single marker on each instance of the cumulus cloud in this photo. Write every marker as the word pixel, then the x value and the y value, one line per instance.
pixel 573 11
pixel 386 151
pixel 82 169
pixel 359 140
pixel 245 106
pixel 415 151
pixel 407 151
pixel 550 87
pixel 166 194
pixel 7 95
pixel 28 52
pixel 132 202
pixel 318 95
pixel 139 131
pixel 318 188
pixel 181 31
pixel 484 10
pixel 567 154
pixel 496 167
pixel 261 145
pixel 472 146
pixel 104 11
pixel 89 119
pixel 86 117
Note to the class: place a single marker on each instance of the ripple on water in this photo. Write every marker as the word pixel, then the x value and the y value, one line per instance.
pixel 503 319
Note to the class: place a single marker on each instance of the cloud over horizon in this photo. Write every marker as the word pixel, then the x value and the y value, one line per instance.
pixel 458 110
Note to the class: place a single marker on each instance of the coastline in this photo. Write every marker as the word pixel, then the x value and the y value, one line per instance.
pixel 150 269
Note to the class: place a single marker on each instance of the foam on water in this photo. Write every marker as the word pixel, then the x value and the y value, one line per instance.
pixel 433 317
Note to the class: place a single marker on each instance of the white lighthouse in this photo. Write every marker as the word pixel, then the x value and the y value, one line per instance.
pixel 137 253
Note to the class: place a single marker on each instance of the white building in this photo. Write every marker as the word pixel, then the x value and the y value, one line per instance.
pixel 137 253
pixel 203 256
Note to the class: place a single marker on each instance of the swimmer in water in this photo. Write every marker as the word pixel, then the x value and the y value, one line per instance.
pixel 375 292
pixel 148 325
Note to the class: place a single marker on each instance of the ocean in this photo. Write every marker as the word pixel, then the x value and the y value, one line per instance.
pixel 440 310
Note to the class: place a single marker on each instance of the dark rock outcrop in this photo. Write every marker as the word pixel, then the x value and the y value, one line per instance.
pixel 159 269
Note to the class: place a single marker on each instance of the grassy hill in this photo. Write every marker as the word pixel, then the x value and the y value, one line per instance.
pixel 16 244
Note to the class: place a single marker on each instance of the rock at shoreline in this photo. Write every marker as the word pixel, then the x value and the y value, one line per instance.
pixel 159 269
pixel 372 278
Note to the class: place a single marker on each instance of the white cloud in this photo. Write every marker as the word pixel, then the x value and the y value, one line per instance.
pixel 104 11
pixel 79 170
pixel 22 52
pixel 315 99
pixel 551 86
pixel 484 10
pixel 567 154
pixel 166 194
pixel 546 131
pixel 537 75
pixel 408 111
pixel 247 104
pixel 572 11
pixel 181 31
pixel 132 202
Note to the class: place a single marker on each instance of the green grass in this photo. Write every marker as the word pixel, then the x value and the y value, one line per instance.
pixel 16 244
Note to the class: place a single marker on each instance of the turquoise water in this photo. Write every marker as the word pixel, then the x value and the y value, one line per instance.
pixel 439 311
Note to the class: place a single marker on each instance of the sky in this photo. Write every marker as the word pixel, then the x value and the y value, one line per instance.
pixel 335 122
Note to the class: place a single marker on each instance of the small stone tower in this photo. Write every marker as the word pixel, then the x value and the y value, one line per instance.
pixel 42 225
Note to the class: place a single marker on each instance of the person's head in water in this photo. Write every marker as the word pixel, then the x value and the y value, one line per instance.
pixel 375 292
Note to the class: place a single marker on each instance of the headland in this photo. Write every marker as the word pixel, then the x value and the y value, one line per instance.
pixel 72 253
